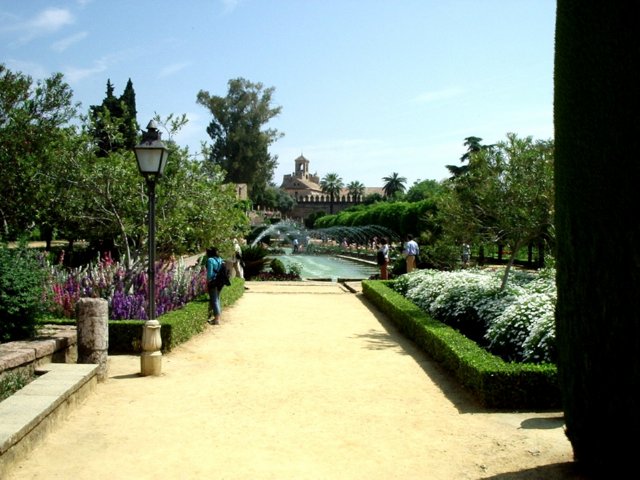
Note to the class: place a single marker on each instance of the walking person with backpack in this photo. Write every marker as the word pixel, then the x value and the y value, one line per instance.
pixel 217 278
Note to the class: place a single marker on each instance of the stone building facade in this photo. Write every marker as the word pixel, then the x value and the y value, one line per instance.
pixel 305 188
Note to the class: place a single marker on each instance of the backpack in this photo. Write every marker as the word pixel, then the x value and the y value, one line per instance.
pixel 380 257
pixel 222 277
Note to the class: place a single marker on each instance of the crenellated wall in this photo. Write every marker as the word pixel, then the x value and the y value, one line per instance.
pixel 305 208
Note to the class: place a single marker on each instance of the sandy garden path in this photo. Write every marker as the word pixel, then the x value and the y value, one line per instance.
pixel 300 381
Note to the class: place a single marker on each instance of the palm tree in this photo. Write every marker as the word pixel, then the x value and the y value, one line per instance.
pixel 356 190
pixel 394 184
pixel 473 146
pixel 332 184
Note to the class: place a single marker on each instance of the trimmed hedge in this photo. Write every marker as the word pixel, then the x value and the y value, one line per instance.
pixel 494 382
pixel 176 327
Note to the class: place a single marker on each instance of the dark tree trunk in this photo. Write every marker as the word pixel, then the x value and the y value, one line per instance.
pixel 541 253
pixel 597 125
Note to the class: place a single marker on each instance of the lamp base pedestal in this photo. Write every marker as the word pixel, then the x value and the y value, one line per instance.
pixel 151 358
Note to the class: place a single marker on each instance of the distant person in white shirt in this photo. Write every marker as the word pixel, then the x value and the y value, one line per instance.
pixel 411 251
pixel 237 259
pixel 466 254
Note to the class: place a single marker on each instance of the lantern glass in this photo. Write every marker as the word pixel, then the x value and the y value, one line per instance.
pixel 152 158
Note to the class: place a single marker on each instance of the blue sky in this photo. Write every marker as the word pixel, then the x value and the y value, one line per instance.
pixel 367 87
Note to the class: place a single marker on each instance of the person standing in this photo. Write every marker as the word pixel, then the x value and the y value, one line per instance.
pixel 237 259
pixel 411 251
pixel 214 264
pixel 466 254
pixel 383 259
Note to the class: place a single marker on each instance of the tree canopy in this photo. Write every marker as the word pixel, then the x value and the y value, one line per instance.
pixel 113 123
pixel 394 184
pixel 240 141
pixel 332 184
pixel 505 196
pixel 35 124
pixel 54 179
pixel 356 190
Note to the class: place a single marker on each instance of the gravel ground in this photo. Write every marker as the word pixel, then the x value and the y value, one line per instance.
pixel 300 381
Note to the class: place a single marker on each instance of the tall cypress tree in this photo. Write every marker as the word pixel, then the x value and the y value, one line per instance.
pixel 113 122
pixel 597 73
pixel 129 125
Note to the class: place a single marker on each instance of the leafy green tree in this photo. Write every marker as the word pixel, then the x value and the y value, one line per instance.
pixel 373 198
pixel 194 208
pixel 130 124
pixel 525 193
pixel 310 221
pixel 240 143
pixel 109 194
pixel 197 211
pixel 422 190
pixel 34 125
pixel 332 185
pixel 276 198
pixel 22 281
pixel 57 215
pixel 284 201
pixel 506 196
pixel 473 146
pixel 113 123
pixel 356 190
pixel 197 208
pixel 394 185
pixel 596 100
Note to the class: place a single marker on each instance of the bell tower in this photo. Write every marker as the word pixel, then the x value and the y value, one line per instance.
pixel 302 167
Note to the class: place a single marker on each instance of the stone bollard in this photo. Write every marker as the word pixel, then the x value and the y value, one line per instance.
pixel 93 333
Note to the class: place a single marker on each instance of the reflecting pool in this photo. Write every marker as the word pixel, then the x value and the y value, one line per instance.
pixel 326 267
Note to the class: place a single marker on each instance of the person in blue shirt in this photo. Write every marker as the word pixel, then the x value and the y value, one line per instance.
pixel 411 251
pixel 214 264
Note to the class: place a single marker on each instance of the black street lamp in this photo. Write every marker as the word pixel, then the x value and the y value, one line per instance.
pixel 151 155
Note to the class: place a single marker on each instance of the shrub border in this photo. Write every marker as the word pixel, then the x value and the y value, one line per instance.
pixel 494 382
pixel 176 327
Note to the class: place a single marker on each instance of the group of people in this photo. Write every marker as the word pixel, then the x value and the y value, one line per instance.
pixel 410 252
pixel 214 264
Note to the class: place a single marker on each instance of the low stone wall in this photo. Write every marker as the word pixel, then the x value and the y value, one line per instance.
pixel 28 415
pixel 54 344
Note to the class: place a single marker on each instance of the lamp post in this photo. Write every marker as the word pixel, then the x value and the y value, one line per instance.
pixel 151 155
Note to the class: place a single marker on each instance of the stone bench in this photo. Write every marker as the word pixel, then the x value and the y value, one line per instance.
pixel 60 384
pixel 27 416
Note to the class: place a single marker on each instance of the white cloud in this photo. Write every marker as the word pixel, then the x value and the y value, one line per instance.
pixel 74 74
pixel 229 6
pixel 62 45
pixel 34 70
pixel 173 69
pixel 47 21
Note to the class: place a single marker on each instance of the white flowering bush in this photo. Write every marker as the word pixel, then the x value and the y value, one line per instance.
pixel 508 332
pixel 540 345
pixel 517 323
